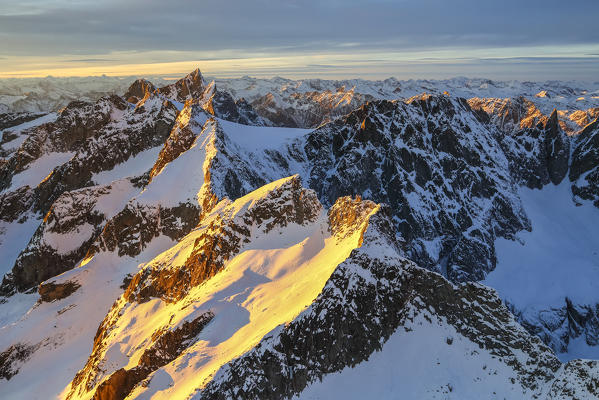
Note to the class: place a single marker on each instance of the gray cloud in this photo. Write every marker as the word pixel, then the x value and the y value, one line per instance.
pixel 522 68
pixel 283 26
pixel 86 30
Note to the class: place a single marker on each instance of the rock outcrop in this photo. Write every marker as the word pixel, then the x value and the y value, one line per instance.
pixel 538 155
pixel 50 291
pixel 139 90
pixel 584 171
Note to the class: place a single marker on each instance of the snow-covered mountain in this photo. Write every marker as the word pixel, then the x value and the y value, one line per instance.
pixel 311 102
pixel 36 95
pixel 308 103
pixel 177 242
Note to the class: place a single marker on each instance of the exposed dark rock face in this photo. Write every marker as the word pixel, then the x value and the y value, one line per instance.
pixel 526 152
pixel 584 171
pixel 439 168
pixel 75 218
pixel 557 150
pixel 11 358
pixel 51 291
pixel 135 226
pixel 367 299
pixel 166 347
pixel 221 104
pixel 190 87
pixel 247 115
pixel 538 155
pixel 15 204
pixel 214 101
pixel 118 385
pixel 37 266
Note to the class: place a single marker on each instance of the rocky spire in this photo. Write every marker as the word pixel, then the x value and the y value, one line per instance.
pixel 557 149
pixel 190 87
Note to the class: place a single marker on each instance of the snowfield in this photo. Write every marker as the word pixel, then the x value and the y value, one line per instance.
pixel 557 260
pixel 418 362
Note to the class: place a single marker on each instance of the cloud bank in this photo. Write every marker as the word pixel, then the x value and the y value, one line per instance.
pixel 476 35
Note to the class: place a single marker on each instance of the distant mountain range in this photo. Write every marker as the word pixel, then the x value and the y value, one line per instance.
pixel 308 103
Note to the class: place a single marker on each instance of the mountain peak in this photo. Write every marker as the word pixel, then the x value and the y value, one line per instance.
pixel 553 120
pixel 138 90
pixel 195 74
pixel 189 87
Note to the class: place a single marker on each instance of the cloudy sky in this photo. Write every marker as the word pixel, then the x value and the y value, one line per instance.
pixel 507 39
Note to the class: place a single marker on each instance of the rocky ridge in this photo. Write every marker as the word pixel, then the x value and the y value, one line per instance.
pixel 92 138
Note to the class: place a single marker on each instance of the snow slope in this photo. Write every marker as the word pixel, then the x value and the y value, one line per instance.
pixel 255 138
pixel 134 166
pixel 62 332
pixel 418 362
pixel 558 259
pixel 39 169
pixel 14 237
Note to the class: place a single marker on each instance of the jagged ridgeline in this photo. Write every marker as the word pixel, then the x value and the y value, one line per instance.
pixel 317 240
